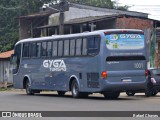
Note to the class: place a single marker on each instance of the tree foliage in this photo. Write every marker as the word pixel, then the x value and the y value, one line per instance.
pixel 11 10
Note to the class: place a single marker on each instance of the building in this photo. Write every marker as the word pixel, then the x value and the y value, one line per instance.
pixel 81 18
pixel 6 67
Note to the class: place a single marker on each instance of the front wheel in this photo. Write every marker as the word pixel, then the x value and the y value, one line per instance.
pixel 111 95
pixel 129 93
pixel 75 90
pixel 29 91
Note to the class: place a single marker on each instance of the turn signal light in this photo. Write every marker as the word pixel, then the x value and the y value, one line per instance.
pixel 146 73
pixel 104 74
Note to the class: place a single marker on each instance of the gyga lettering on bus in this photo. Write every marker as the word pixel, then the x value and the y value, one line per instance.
pixel 54 65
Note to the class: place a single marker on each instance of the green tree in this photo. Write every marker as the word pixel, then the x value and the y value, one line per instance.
pixel 10 10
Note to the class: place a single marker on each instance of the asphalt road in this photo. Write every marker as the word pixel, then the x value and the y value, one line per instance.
pixel 50 101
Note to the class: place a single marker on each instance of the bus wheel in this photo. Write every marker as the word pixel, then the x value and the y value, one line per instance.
pixel 129 93
pixel 28 90
pixel 61 93
pixel 148 92
pixel 154 93
pixel 111 95
pixel 75 90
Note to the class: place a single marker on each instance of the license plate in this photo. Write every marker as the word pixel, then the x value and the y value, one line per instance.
pixel 127 80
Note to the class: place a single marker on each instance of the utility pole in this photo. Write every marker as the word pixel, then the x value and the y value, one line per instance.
pixel 59 6
pixel 61 16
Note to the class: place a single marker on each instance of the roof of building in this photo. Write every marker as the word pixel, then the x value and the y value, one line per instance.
pixel 89 19
pixel 82 6
pixel 6 54
pixel 37 15
pixel 130 13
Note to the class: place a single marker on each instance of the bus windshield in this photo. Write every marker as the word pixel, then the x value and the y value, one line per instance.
pixel 125 41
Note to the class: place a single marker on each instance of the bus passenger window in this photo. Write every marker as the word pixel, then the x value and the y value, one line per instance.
pixel 49 49
pixel 78 47
pixel 44 49
pixel 38 49
pixel 33 50
pixel 72 47
pixel 60 48
pixel 54 51
pixel 93 45
pixel 84 47
pixel 66 47
pixel 97 42
pixel 25 50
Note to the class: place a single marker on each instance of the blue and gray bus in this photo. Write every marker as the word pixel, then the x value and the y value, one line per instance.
pixel 105 61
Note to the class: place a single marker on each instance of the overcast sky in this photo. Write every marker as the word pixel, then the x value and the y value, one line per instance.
pixel 152 7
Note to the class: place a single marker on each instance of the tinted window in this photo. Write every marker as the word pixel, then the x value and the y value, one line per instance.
pixel 78 47
pixel 93 45
pixel 38 48
pixel 60 48
pixel 54 51
pixel 84 47
pixel 49 49
pixel 66 48
pixel 44 49
pixel 33 50
pixel 25 50
pixel 72 47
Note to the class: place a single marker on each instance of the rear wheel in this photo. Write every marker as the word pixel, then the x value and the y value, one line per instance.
pixel 148 92
pixel 111 95
pixel 61 93
pixel 129 93
pixel 75 89
pixel 29 91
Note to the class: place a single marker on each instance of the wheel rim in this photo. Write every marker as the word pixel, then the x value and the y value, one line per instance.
pixel 27 88
pixel 75 89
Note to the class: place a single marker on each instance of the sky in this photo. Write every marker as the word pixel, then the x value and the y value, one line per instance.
pixel 152 7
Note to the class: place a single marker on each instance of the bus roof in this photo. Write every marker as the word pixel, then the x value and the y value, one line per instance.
pixel 98 32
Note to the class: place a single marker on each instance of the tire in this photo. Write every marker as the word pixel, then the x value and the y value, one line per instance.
pixel 148 92
pixel 75 90
pixel 61 93
pixel 154 93
pixel 129 93
pixel 111 95
pixel 28 90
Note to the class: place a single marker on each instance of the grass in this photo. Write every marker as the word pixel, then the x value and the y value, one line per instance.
pixel 5 89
